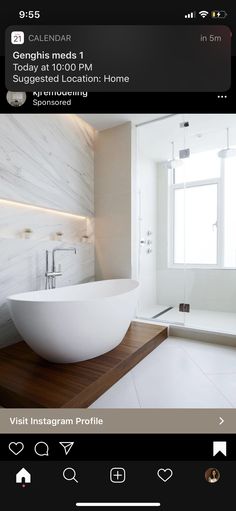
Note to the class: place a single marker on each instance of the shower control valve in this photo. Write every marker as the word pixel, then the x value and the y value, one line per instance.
pixel 149 251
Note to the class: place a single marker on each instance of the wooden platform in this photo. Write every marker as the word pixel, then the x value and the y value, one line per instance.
pixel 28 381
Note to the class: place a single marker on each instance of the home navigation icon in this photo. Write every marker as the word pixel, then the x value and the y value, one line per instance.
pixel 23 477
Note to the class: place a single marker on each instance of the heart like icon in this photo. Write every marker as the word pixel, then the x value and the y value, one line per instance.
pixel 165 474
pixel 16 447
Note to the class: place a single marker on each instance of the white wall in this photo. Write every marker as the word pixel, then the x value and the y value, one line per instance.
pixel 148 204
pixel 48 161
pixel 113 181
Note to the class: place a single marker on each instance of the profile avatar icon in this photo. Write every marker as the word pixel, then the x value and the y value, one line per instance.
pixel 16 99
pixel 212 475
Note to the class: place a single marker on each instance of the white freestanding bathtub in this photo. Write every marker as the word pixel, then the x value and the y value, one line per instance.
pixel 75 323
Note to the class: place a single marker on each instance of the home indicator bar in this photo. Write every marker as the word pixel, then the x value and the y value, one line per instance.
pixel 118 504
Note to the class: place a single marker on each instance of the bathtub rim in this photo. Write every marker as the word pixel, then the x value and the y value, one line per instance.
pixel 19 297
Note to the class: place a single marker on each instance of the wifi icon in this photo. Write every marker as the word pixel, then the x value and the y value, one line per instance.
pixel 203 14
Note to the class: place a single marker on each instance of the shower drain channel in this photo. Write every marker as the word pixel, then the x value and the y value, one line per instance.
pixel 163 312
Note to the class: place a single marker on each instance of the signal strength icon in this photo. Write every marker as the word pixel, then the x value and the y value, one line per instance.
pixel 190 15
pixel 203 14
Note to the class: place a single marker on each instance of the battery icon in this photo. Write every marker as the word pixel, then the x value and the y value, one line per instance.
pixel 218 14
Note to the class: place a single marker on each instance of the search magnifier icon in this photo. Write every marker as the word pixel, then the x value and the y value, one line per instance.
pixel 69 474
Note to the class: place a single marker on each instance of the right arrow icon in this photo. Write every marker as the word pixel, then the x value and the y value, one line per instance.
pixel 221 421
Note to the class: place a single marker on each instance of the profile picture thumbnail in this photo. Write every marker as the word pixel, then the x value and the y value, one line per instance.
pixel 212 475
pixel 16 99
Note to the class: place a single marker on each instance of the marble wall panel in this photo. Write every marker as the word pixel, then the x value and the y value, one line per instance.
pixel 46 161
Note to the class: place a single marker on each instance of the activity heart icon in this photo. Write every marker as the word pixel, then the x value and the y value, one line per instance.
pixel 165 474
pixel 16 447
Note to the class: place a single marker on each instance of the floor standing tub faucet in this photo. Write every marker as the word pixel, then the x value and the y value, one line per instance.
pixel 50 275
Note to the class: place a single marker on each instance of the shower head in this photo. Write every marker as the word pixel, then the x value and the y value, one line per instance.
pixel 228 152
pixel 174 162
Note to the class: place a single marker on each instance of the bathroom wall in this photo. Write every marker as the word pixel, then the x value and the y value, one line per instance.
pixel 148 204
pixel 47 160
pixel 113 211
pixel 47 166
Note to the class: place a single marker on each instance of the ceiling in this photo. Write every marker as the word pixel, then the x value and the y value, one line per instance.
pixel 104 121
pixel 205 132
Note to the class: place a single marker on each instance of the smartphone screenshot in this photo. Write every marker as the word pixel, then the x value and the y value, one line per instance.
pixel 117 256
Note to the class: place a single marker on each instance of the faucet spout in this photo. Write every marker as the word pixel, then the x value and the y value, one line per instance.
pixel 51 275
pixel 72 249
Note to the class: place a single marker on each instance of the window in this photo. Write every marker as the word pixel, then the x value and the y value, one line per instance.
pixel 195 233
pixel 198 167
pixel 229 213
pixel 203 212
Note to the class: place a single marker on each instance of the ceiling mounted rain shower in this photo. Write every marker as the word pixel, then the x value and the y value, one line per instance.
pixel 174 162
pixel 184 153
pixel 228 152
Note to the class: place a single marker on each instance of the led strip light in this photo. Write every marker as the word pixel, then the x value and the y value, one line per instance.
pixel 40 208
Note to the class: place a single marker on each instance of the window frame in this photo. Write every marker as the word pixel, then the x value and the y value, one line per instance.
pixel 219 181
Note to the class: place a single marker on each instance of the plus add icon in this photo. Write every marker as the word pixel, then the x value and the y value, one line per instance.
pixel 117 475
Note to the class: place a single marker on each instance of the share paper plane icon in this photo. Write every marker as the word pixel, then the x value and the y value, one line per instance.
pixel 67 446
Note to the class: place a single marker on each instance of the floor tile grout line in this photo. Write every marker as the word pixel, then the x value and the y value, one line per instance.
pixel 233 406
pixel 200 369
pixel 228 372
pixel 182 348
pixel 205 372
pixel 206 375
pixel 135 388
pixel 208 344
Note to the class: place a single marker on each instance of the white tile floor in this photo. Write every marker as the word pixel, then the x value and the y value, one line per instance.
pixel 180 373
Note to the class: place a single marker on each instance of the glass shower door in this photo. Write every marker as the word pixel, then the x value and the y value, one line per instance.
pixel 162 296
pixel 187 221
pixel 210 221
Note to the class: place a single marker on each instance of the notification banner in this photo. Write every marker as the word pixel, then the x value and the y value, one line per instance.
pixel 118 58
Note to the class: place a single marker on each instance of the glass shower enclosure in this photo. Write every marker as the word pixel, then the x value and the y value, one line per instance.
pixel 186 175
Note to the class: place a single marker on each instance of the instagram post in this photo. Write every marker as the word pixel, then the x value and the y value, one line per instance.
pixel 118 257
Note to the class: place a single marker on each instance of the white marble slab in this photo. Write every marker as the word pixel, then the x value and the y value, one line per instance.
pixel 46 160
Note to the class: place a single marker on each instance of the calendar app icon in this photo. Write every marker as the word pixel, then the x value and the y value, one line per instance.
pixel 17 37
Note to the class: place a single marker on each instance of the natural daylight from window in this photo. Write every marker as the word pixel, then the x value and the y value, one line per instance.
pixel 202 206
